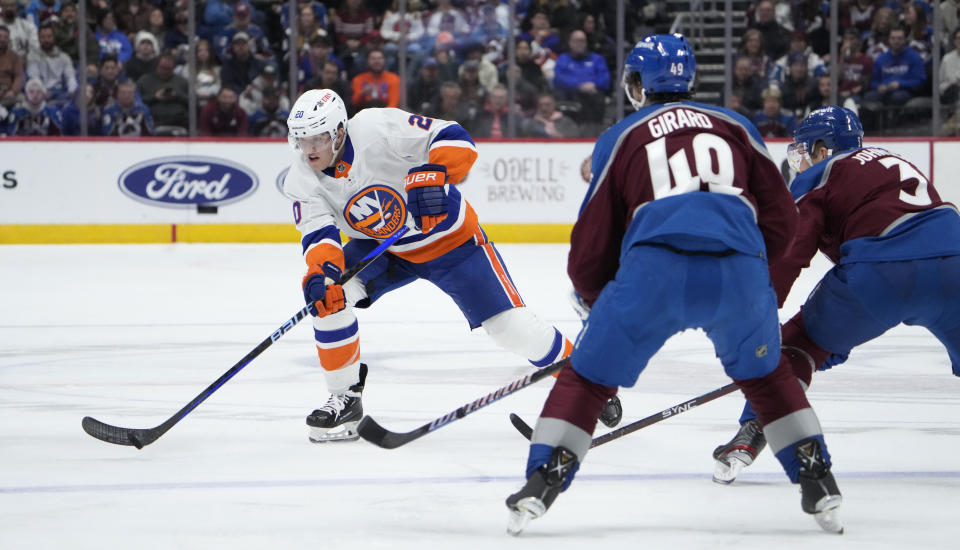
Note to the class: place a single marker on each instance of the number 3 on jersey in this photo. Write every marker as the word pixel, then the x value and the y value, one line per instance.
pixel 712 159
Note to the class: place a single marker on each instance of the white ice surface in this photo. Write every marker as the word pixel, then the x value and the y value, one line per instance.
pixel 130 334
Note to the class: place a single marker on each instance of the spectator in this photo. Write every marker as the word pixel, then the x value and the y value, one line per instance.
pixel 564 15
pixel 775 36
pixel 321 51
pixel 919 34
pixel 112 42
pixel 599 41
pixel 473 94
pixel 105 85
pixel 583 76
pixel 772 121
pixel 549 122
pixel 736 104
pixel 748 84
pixel 165 93
pixel 42 12
pixel 883 20
pixel 448 68
pixel 530 81
pixel 175 38
pixel 34 117
pixel 486 71
pixel 490 121
pixel 53 68
pixel 950 73
pixel 128 116
pixel 487 28
pixel 219 13
pixel 319 12
pixel 897 74
pixel 145 59
pixel 70 115
pixel 131 15
pixel 377 87
pixel 948 22
pixel 798 46
pixel 223 117
pixel 751 47
pixel 862 13
pixel 800 87
pixel 456 20
pixel 251 99
pixel 410 26
pixel 856 67
pixel 207 83
pixel 308 29
pixel 11 71
pixel 329 78
pixel 240 68
pixel 156 23
pixel 425 88
pixel 65 31
pixel 23 33
pixel 542 34
pixel 270 120
pixel 352 24
pixel 258 45
pixel 810 17
pixel 449 107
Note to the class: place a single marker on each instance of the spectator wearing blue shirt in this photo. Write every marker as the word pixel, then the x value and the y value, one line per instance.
pixel 583 76
pixel 241 23
pixel 112 42
pixel 128 116
pixel 34 117
pixel 772 120
pixel 898 73
pixel 270 120
pixel 70 115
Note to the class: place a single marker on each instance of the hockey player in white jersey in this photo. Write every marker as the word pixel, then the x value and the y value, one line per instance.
pixel 367 177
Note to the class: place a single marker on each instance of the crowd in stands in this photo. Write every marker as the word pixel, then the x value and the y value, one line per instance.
pixel 885 58
pixel 137 79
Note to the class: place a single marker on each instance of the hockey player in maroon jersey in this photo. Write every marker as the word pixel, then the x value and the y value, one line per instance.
pixel 896 246
pixel 684 208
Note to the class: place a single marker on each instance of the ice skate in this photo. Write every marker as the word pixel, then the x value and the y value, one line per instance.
pixel 739 452
pixel 612 412
pixel 536 496
pixel 337 420
pixel 820 496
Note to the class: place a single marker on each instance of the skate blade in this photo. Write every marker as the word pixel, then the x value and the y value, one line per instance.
pixel 727 469
pixel 522 512
pixel 828 516
pixel 344 432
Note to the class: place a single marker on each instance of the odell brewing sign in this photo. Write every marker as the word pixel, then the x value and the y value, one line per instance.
pixel 184 182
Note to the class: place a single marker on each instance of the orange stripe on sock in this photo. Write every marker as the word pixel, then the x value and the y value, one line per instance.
pixel 339 357
pixel 502 275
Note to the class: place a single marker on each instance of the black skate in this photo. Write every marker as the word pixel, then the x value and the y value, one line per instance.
pixel 338 419
pixel 739 452
pixel 612 412
pixel 819 493
pixel 536 496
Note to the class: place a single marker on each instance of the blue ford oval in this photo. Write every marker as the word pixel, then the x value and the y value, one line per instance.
pixel 187 181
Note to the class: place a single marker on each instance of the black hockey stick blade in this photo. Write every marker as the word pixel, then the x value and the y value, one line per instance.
pixel 369 429
pixel 142 437
pixel 526 431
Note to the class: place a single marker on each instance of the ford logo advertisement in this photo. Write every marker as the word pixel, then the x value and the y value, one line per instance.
pixel 186 182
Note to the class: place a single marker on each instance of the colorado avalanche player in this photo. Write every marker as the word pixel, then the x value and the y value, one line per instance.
pixel 896 246
pixel 383 169
pixel 683 211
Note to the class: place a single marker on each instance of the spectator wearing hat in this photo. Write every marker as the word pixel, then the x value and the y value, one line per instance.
pixel 259 47
pixel 775 36
pixel 549 122
pixel 53 68
pixel 222 117
pixel 321 51
pixel 486 71
pixel 11 71
pixel 22 31
pixel 128 116
pixel 112 42
pixel 240 67
pixel 270 120
pixel 146 48
pixel 251 98
pixel 34 117
pixel 856 67
pixel 583 76
pixel 424 88
pixel 165 93
pixel 66 34
pixel 772 120
pixel 207 84
pixel 377 87
pixel 798 48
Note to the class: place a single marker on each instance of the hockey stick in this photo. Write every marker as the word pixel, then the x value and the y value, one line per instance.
pixel 373 432
pixel 526 431
pixel 141 437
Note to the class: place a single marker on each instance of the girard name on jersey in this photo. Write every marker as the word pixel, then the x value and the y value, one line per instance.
pixel 676 119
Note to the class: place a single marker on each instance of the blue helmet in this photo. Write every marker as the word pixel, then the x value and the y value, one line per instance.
pixel 665 63
pixel 837 127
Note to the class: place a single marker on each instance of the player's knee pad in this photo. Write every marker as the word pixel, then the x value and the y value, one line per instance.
pixel 520 331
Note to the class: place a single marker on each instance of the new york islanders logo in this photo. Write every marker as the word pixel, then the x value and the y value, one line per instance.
pixel 377 211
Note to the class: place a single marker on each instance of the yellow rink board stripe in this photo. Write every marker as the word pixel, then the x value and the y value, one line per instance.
pixel 232 233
